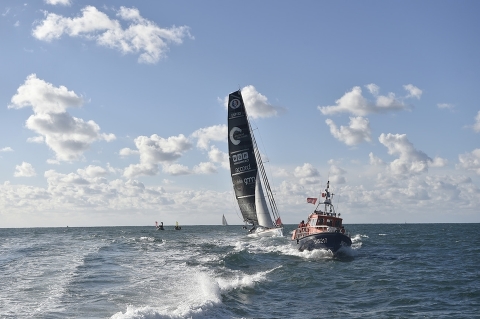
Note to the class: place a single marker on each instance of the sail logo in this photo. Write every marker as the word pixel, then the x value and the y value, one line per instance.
pixel 240 158
pixel 232 135
pixel 242 169
pixel 235 104
pixel 249 180
pixel 238 184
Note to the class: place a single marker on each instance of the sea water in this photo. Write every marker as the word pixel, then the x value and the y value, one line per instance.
pixel 391 271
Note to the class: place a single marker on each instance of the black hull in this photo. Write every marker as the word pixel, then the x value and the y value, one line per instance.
pixel 330 241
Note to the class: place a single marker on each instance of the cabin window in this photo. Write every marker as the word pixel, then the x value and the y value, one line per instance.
pixel 321 221
pixel 313 222
pixel 329 222
pixel 338 223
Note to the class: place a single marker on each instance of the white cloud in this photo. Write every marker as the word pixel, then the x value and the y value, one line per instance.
pixel 127 152
pixel 375 161
pixel 93 171
pixel 336 175
pixel 257 105
pixel 439 162
pixel 61 2
pixel 24 170
pixel 413 91
pixel 205 168
pixel 135 170
pixel 6 149
pixel 212 133
pixel 355 103
pixel 141 36
pixel 476 126
pixel 36 139
pixel 445 106
pixel 154 150
pixel 176 169
pixel 410 161
pixel 470 161
pixel 357 132
pixel 69 137
pixel 307 174
pixel 217 156
pixel 43 97
pixel 307 170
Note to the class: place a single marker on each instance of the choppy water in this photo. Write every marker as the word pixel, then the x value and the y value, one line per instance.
pixel 391 271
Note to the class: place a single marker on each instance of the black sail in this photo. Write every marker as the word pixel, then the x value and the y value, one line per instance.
pixel 243 165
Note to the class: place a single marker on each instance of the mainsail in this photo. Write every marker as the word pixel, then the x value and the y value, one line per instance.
pixel 246 168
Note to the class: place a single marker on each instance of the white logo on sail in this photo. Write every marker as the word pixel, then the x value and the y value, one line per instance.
pixel 235 103
pixel 240 158
pixel 232 132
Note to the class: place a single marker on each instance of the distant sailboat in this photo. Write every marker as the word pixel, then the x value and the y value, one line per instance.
pixel 177 227
pixel 224 221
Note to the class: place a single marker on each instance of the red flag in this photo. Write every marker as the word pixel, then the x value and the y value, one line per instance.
pixel 311 200
pixel 278 222
pixel 323 194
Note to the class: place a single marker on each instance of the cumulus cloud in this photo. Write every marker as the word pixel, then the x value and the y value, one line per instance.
pixel 217 156
pixel 69 137
pixel 307 174
pixel 24 170
pixel 141 37
pixel 476 126
pixel 374 160
pixel 212 133
pixel 257 105
pixel 6 149
pixel 470 161
pixel 413 91
pixel 127 152
pixel 60 2
pixel 410 161
pixel 336 175
pixel 176 169
pixel 307 170
pixel 355 103
pixel 154 150
pixel 357 132
pixel 205 168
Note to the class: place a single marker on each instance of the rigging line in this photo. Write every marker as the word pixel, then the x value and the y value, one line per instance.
pixel 271 199
pixel 265 151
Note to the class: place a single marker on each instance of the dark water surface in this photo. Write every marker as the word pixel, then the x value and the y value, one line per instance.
pixel 391 271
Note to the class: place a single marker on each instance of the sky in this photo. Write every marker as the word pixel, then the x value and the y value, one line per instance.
pixel 114 113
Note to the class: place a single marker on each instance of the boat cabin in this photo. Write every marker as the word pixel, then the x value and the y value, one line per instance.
pixel 319 222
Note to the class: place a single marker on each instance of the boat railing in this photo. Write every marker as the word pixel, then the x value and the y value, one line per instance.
pixel 307 230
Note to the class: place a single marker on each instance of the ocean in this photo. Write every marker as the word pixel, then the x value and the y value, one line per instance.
pixel 391 271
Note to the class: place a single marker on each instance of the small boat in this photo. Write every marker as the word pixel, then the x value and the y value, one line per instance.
pixel 248 174
pixel 177 227
pixel 323 229
pixel 224 221
pixel 159 227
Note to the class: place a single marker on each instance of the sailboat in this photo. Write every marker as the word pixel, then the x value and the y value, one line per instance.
pixel 324 229
pixel 248 174
pixel 224 221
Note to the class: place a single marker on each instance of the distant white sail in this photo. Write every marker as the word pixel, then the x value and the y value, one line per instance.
pixel 224 221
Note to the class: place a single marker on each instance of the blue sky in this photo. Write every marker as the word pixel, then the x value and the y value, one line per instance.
pixel 113 113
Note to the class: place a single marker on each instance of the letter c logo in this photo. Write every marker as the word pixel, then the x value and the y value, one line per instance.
pixel 232 132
